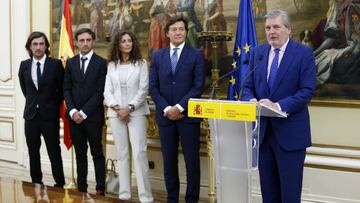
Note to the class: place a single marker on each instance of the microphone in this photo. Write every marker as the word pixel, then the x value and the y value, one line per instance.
pixel 212 94
pixel 246 77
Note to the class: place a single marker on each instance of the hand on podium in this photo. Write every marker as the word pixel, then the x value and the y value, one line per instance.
pixel 269 103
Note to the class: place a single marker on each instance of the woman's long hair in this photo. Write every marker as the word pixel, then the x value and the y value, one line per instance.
pixel 115 53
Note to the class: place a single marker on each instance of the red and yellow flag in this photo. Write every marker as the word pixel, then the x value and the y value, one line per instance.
pixel 66 50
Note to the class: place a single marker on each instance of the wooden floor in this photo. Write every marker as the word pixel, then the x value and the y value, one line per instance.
pixel 17 191
pixel 12 190
pixel 15 187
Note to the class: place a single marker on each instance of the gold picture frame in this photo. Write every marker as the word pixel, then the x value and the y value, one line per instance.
pixel 306 15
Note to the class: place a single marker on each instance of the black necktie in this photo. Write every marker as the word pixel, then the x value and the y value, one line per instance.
pixel 82 69
pixel 38 73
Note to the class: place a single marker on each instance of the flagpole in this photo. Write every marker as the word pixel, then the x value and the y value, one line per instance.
pixel 66 51
pixel 211 169
pixel 72 185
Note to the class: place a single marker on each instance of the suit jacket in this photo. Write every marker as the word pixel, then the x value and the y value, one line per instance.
pixel 85 92
pixel 293 89
pixel 48 98
pixel 167 89
pixel 137 86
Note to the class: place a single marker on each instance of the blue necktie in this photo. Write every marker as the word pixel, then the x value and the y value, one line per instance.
pixel 274 68
pixel 174 59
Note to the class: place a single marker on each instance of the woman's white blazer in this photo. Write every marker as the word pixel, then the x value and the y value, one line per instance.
pixel 137 86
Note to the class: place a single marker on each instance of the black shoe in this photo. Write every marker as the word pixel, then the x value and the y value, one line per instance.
pixel 59 185
pixel 100 192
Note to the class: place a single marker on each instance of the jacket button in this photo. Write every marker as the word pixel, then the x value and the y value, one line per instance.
pixel 173 82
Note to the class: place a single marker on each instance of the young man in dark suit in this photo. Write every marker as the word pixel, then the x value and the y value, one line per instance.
pixel 177 74
pixel 286 81
pixel 84 82
pixel 41 79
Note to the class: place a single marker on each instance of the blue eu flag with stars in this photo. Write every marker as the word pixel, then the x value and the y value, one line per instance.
pixel 244 42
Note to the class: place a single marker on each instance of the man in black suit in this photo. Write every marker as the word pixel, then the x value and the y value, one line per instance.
pixel 84 83
pixel 41 79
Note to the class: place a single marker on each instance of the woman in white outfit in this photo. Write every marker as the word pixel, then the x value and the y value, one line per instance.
pixel 126 88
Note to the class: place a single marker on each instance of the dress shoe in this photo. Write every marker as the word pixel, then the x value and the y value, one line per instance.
pixel 59 185
pixel 100 192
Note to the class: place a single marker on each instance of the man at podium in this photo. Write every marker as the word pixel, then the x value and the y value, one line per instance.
pixel 282 77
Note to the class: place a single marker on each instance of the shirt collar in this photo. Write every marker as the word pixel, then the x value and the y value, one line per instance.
pixel 283 47
pixel 42 60
pixel 180 47
pixel 88 55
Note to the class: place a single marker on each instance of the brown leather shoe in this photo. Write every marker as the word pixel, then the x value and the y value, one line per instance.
pixel 100 192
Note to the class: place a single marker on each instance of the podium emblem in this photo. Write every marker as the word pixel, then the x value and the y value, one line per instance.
pixel 197 109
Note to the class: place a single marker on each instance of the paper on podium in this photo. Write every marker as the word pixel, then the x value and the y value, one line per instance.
pixel 268 111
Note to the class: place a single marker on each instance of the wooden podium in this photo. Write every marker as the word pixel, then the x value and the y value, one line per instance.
pixel 234 127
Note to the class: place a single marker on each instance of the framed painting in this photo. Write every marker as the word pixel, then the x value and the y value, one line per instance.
pixel 330 27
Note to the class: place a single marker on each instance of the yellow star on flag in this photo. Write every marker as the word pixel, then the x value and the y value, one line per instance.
pixel 235 95
pixel 234 64
pixel 238 51
pixel 232 80
pixel 247 48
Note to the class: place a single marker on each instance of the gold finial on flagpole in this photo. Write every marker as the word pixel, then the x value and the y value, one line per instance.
pixel 72 185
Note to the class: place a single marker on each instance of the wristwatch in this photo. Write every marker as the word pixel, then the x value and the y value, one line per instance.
pixel 131 107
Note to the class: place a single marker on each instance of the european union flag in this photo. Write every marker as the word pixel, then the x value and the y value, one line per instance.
pixel 244 42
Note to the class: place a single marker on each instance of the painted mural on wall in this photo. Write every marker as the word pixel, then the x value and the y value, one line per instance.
pixel 330 27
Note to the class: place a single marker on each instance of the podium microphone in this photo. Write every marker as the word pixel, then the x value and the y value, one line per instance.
pixel 212 94
pixel 246 77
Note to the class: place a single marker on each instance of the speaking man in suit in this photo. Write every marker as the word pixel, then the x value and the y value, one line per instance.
pixel 284 78
pixel 84 82
pixel 177 74
pixel 41 79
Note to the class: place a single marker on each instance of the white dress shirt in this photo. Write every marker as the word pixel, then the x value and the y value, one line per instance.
pixel 88 56
pixel 34 69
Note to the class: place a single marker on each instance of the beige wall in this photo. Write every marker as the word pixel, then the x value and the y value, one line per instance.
pixel 337 126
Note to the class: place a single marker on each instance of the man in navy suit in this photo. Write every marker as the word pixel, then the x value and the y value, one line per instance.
pixel 41 79
pixel 284 78
pixel 84 82
pixel 176 75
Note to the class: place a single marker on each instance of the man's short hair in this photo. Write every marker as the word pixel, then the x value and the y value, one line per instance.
pixel 35 35
pixel 85 30
pixel 172 21
pixel 277 12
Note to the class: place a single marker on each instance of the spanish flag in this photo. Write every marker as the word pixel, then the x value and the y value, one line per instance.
pixel 66 50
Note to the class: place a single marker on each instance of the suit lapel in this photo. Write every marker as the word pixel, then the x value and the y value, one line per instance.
pixel 47 66
pixel 183 57
pixel 263 65
pixel 90 66
pixel 131 72
pixel 28 72
pixel 284 64
pixel 167 61
pixel 77 66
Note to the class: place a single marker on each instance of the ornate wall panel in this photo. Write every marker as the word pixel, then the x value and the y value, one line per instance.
pixel 5 41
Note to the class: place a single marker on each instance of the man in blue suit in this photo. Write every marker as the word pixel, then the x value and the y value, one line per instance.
pixel 284 78
pixel 176 75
